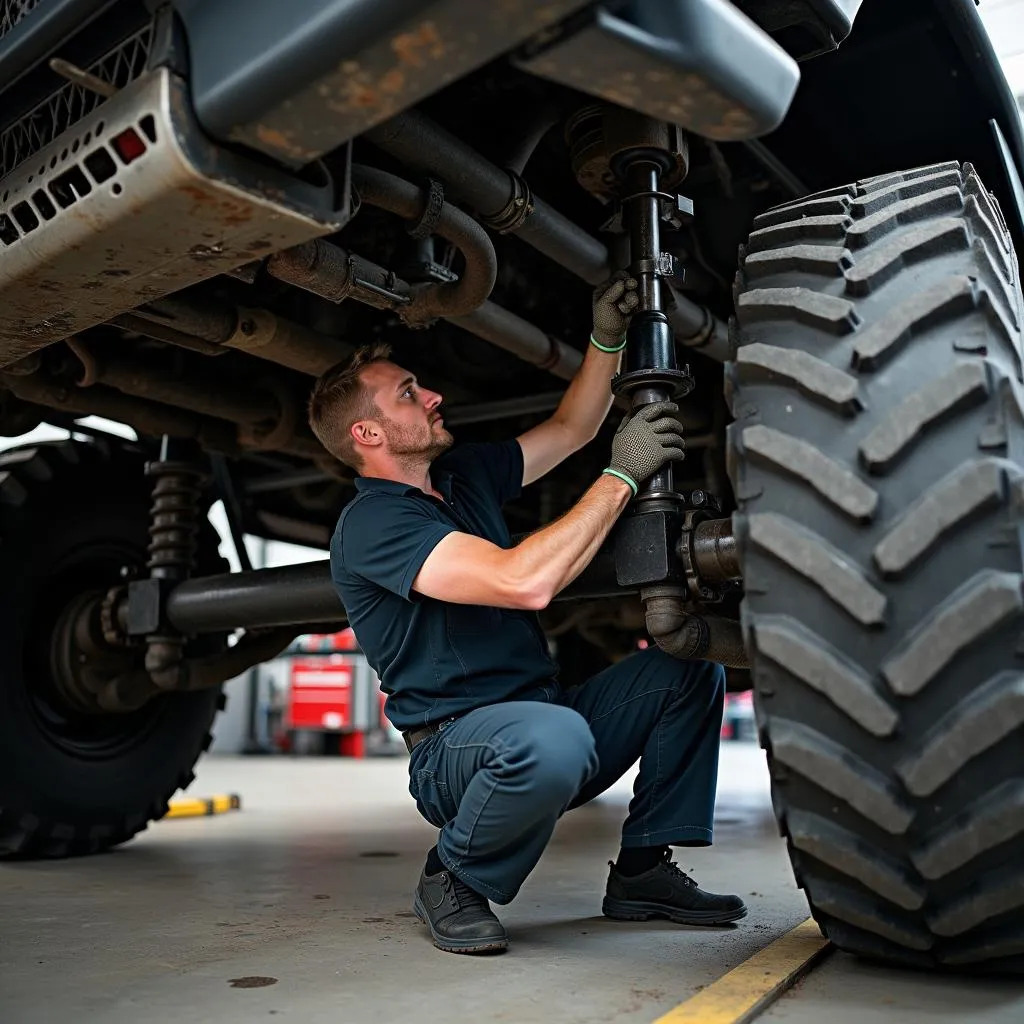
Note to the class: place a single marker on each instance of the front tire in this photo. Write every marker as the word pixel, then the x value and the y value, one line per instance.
pixel 876 457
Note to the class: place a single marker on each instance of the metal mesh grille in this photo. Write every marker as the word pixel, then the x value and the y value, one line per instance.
pixel 41 125
pixel 12 11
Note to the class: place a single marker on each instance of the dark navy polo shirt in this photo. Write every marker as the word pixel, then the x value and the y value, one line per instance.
pixel 436 659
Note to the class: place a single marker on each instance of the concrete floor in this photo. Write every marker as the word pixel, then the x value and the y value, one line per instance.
pixel 310 885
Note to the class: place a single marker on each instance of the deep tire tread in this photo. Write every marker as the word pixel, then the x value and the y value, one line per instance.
pixel 876 461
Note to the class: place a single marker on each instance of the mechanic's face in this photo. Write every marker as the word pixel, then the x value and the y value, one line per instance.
pixel 409 413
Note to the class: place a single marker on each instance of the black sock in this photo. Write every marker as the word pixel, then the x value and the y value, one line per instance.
pixel 434 865
pixel 635 860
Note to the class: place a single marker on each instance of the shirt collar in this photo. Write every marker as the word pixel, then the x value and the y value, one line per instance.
pixel 442 481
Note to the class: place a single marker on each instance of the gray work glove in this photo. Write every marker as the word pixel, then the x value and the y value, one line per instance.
pixel 614 304
pixel 645 441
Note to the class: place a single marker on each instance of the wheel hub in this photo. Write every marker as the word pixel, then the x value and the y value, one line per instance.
pixel 92 676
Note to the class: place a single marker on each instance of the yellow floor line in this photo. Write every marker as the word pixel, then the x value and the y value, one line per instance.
pixel 201 807
pixel 749 989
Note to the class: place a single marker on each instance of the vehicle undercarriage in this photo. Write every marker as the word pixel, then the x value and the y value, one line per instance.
pixel 194 225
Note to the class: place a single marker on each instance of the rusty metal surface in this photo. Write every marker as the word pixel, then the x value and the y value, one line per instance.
pixel 157 224
pixel 702 65
pixel 277 340
pixel 336 69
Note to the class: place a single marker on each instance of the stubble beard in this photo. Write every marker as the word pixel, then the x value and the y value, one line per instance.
pixel 413 448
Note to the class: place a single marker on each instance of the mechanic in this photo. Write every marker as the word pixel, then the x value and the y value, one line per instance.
pixel 444 607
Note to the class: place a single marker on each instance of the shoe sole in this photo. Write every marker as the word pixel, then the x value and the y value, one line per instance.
pixel 455 945
pixel 627 910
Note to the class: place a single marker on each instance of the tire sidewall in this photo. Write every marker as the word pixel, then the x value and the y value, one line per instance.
pixel 102 506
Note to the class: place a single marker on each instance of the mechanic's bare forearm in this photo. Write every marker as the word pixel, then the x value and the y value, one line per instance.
pixel 550 559
pixel 588 398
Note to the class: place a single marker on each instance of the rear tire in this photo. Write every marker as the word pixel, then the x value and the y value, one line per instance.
pixel 876 457
pixel 71 514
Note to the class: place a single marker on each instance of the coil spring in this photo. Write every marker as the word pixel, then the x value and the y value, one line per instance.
pixel 174 519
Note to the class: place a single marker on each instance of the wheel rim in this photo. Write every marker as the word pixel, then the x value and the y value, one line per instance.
pixel 79 573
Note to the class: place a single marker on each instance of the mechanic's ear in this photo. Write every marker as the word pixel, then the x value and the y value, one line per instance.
pixel 367 432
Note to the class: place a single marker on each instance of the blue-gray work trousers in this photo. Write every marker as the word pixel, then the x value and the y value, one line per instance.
pixel 496 780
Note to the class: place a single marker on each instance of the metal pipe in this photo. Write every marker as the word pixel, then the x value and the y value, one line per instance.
pixel 282 596
pixel 378 188
pixel 135 323
pixel 425 146
pixel 520 146
pixel 286 481
pixel 486 412
pixel 324 269
pixel 193 316
pixel 328 271
pixel 512 333
pixel 256 331
pixel 299 594
pixel 695 327
pixel 208 397
pixel 145 416
pixel 689 637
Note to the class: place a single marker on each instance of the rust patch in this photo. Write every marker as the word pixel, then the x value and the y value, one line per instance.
pixel 393 82
pixel 416 47
pixel 276 139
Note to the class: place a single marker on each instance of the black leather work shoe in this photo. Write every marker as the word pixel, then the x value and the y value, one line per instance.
pixel 667 892
pixel 460 920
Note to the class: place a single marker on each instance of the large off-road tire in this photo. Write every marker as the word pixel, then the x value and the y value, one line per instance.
pixel 71 515
pixel 876 457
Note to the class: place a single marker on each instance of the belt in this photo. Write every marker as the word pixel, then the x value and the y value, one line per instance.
pixel 414 737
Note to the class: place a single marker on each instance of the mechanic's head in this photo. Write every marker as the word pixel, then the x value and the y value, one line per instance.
pixel 370 413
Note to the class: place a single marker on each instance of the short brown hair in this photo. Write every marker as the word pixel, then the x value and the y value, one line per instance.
pixel 340 398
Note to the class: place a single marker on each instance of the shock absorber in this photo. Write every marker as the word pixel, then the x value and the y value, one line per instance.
pixel 667 544
pixel 651 373
pixel 173 537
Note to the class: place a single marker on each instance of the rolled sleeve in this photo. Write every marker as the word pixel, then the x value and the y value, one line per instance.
pixel 386 540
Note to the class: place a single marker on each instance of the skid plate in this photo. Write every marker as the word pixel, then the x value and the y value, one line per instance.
pixel 134 203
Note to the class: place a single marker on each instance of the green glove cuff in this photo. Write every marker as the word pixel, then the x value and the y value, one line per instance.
pixel 605 348
pixel 622 476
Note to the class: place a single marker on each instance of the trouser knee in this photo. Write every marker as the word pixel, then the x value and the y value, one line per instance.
pixel 556 759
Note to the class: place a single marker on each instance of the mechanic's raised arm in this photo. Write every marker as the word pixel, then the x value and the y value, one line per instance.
pixel 588 398
pixel 463 569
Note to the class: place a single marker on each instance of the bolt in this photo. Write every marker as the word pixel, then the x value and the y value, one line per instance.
pixel 698 497
pixel 247 327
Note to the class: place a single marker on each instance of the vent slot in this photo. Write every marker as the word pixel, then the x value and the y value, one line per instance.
pixel 100 165
pixel 8 232
pixel 66 188
pixel 25 217
pixel 42 202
